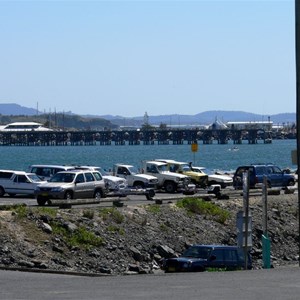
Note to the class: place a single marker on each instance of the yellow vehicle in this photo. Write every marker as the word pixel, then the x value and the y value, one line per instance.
pixel 199 179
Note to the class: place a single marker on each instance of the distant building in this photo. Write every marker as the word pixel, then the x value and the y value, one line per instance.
pixel 267 125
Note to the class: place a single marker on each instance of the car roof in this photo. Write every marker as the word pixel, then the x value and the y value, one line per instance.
pixel 53 166
pixel 154 162
pixel 216 246
pixel 75 171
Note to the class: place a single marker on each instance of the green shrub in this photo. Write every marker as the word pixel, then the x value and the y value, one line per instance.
pixel 200 207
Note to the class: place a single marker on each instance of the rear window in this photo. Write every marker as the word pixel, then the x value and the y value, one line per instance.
pixel 89 177
pixel 97 175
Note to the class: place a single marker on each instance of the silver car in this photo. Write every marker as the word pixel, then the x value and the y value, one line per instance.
pixel 75 184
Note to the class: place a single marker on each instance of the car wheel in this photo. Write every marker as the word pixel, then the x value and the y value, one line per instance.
pixel 170 187
pixel 41 201
pixel 98 195
pixel 68 195
pixel 291 183
pixel 2 192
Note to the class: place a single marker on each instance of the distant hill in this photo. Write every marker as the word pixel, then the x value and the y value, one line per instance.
pixel 202 118
pixel 13 109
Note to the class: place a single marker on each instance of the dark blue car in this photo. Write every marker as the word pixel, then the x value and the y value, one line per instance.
pixel 199 258
pixel 275 176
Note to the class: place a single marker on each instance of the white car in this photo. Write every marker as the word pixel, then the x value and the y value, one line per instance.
pixel 18 182
pixel 215 178
pixel 113 183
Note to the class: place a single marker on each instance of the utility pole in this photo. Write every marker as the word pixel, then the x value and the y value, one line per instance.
pixel 297 45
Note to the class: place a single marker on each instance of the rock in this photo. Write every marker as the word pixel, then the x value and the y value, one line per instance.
pixel 27 264
pixel 46 227
pixel 165 251
pixel 136 254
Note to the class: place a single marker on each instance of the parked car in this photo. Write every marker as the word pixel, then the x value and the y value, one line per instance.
pixel 133 176
pixel 70 185
pixel 199 258
pixel 275 176
pixel 47 171
pixel 18 182
pixel 197 178
pixel 223 180
pixel 169 181
pixel 112 183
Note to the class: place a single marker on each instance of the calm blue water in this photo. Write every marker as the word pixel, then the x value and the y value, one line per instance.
pixel 211 156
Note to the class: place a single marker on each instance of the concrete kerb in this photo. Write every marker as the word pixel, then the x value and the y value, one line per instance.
pixel 60 272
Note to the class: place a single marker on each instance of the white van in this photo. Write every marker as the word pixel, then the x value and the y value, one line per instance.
pixel 47 171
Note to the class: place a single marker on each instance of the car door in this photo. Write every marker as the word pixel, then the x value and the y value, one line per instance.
pixel 277 176
pixel 231 259
pixel 216 259
pixel 89 185
pixel 22 185
pixel 80 186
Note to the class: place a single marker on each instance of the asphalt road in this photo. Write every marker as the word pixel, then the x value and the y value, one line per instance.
pixel 129 200
pixel 270 284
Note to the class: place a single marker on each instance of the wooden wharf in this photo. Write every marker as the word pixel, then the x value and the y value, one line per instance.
pixel 134 137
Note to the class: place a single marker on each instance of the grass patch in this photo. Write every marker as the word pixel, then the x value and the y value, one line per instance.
pixel 88 213
pixel 81 237
pixel 201 207
pixel 153 208
pixel 49 211
pixel 117 229
pixel 111 213
pixel 163 227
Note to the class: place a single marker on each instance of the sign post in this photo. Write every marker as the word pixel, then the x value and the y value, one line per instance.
pixel 194 148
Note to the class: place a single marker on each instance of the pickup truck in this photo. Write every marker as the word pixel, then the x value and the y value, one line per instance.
pixel 199 179
pixel 18 182
pixel 134 177
pixel 169 181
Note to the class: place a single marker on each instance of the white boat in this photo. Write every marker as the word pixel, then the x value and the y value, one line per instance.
pixel 24 126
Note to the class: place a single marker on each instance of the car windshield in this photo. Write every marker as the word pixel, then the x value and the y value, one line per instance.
pixel 208 171
pixel 133 170
pixel 186 168
pixel 63 177
pixel 34 178
pixel 103 172
pixel 162 168
pixel 197 252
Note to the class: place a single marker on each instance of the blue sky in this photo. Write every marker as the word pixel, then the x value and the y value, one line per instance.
pixel 160 57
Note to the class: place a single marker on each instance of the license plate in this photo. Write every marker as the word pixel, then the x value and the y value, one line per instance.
pixel 44 194
pixel 171 269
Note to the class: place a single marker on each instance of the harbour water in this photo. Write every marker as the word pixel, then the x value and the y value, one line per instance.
pixel 213 156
